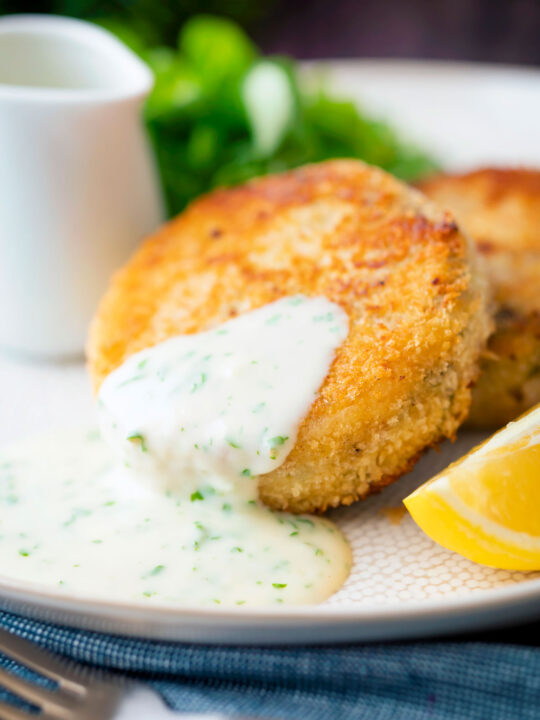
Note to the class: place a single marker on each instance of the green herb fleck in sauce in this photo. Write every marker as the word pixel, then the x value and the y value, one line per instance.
pixel 277 441
pixel 197 385
pixel 156 570
pixel 139 439
pixel 131 380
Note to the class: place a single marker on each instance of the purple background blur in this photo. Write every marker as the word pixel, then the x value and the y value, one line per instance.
pixel 483 30
pixel 505 31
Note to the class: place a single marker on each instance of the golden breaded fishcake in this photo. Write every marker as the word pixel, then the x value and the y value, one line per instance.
pixel 398 266
pixel 501 211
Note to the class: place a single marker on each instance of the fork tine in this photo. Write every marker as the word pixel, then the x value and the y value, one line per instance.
pixel 10 712
pixel 41 662
pixel 52 702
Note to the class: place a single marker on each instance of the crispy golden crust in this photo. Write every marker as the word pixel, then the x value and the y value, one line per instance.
pixel 396 264
pixel 501 211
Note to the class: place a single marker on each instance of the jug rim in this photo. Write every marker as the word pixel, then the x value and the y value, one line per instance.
pixel 139 78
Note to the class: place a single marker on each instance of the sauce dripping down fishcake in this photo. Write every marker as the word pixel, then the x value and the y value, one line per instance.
pixel 167 510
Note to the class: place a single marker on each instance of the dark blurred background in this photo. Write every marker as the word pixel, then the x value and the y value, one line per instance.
pixel 484 30
pixel 208 126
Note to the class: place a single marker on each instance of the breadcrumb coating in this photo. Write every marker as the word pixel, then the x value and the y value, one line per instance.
pixel 393 261
pixel 500 208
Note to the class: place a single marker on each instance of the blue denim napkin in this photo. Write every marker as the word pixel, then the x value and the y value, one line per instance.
pixel 413 681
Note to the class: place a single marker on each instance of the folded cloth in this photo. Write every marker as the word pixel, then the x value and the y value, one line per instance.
pixel 405 681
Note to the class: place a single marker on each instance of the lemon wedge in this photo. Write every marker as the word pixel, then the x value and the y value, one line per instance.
pixel 486 506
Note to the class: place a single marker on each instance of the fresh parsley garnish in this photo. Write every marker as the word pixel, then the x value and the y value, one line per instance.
pixel 139 439
pixel 203 377
pixel 278 440
pixel 157 570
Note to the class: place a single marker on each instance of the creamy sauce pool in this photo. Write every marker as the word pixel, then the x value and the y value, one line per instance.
pixel 166 509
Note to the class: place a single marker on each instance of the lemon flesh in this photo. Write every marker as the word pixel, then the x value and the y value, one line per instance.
pixel 486 506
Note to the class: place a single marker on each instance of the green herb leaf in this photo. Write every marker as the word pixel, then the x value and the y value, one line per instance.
pixel 139 439
pixel 130 380
pixel 278 440
pixel 157 570
pixel 217 48
pixel 197 385
pixel 305 520
pixel 220 115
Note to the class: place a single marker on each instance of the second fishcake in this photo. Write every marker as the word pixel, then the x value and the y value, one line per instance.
pixel 500 208
pixel 394 262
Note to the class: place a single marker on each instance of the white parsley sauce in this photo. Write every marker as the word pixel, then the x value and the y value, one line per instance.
pixel 166 510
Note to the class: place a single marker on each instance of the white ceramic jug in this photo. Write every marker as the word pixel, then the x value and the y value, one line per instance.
pixel 78 187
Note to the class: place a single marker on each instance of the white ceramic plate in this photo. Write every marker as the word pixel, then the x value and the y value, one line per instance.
pixel 402 584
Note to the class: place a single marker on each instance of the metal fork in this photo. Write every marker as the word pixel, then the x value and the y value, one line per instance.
pixel 80 693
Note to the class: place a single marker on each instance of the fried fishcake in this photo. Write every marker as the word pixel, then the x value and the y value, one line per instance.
pixel 500 208
pixel 397 265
